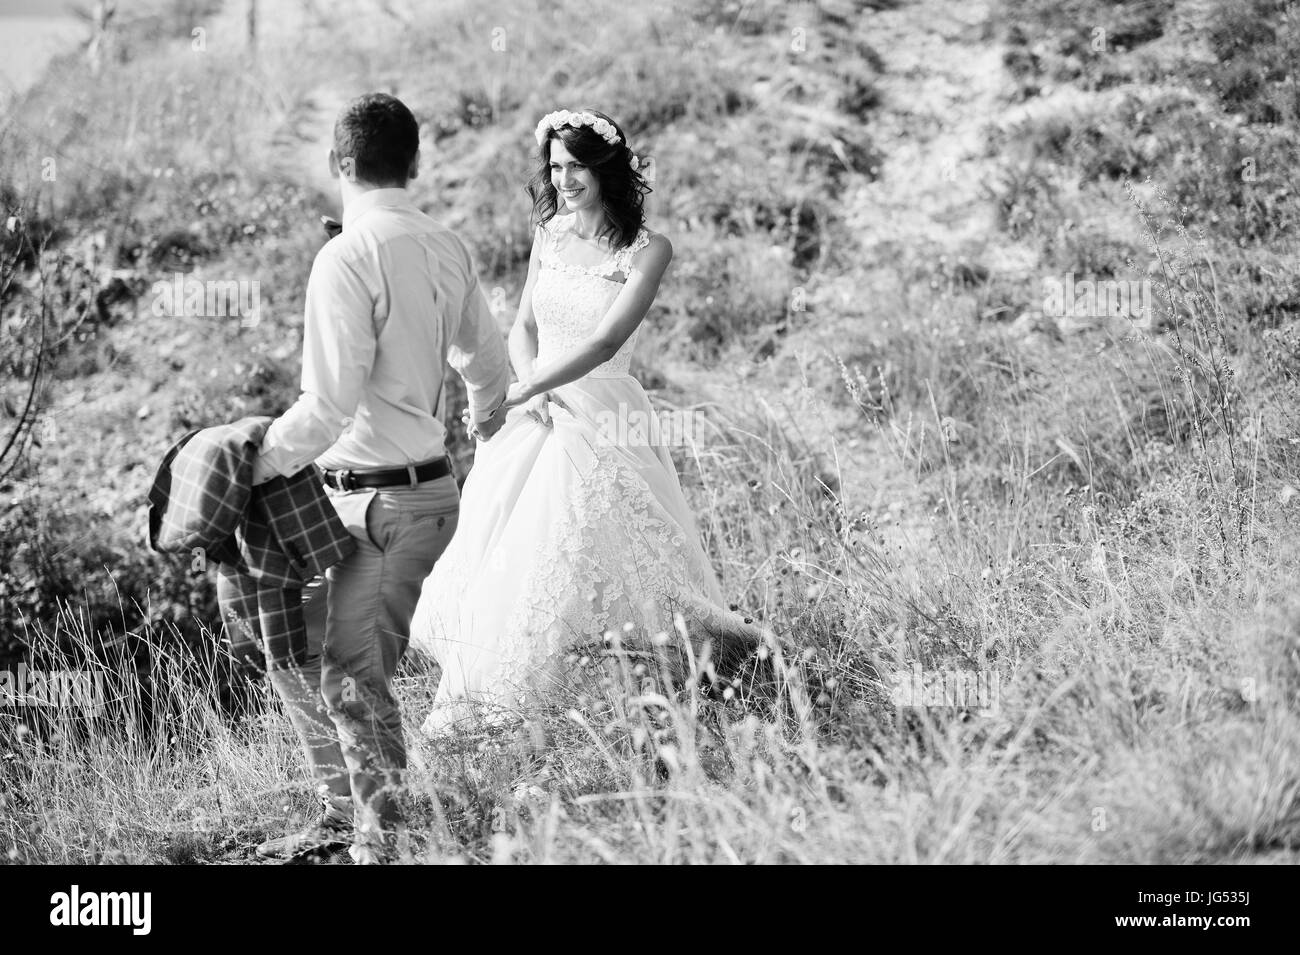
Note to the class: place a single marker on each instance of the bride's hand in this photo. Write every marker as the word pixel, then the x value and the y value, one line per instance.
pixel 539 408
pixel 535 406
pixel 517 394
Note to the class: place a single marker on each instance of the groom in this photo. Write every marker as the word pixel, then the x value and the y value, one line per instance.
pixel 390 301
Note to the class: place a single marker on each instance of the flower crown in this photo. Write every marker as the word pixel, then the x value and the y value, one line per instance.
pixel 602 127
pixel 562 117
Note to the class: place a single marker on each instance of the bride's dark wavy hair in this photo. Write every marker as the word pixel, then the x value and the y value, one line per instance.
pixel 622 188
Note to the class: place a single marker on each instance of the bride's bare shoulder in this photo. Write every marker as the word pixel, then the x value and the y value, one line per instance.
pixel 656 250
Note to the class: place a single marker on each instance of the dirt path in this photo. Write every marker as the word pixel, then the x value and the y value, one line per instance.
pixel 940 89
pixel 942 82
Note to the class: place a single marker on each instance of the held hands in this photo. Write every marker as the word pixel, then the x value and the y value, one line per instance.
pixel 536 406
pixel 483 430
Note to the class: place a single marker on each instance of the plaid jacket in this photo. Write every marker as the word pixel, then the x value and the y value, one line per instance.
pixel 270 540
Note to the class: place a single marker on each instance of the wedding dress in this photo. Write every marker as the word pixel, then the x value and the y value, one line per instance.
pixel 568 530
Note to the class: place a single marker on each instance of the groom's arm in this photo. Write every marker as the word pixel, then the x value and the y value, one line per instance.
pixel 477 351
pixel 338 354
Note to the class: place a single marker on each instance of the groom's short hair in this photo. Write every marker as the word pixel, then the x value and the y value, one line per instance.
pixel 381 137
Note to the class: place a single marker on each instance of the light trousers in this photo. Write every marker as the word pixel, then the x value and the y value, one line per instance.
pixel 358 618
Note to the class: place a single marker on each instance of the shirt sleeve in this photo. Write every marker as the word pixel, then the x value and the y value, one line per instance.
pixel 339 344
pixel 478 351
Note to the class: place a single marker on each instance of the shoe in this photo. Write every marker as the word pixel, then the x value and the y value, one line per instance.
pixel 326 836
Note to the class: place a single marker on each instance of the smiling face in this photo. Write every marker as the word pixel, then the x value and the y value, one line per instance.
pixel 576 184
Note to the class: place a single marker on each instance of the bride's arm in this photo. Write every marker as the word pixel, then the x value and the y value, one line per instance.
pixel 615 328
pixel 522 343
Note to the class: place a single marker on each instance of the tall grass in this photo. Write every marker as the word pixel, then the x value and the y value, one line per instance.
pixel 1145 709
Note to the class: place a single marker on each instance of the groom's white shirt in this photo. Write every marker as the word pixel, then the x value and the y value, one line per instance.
pixel 386 300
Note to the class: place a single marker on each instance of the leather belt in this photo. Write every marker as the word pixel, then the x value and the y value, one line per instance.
pixel 349 479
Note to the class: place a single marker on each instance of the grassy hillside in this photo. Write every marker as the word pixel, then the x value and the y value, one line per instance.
pixel 916 463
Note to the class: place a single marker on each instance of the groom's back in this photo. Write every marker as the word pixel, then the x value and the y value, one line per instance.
pixel 426 303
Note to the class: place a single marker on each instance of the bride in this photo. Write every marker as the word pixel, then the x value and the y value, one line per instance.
pixel 571 528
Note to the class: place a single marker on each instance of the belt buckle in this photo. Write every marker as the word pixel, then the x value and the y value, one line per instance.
pixel 410 473
pixel 345 480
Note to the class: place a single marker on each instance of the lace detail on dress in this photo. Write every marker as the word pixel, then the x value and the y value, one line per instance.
pixel 617 261
pixel 613 557
pixel 622 259
pixel 570 300
pixel 616 559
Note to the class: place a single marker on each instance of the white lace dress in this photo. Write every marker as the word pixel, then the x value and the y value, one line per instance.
pixel 566 531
